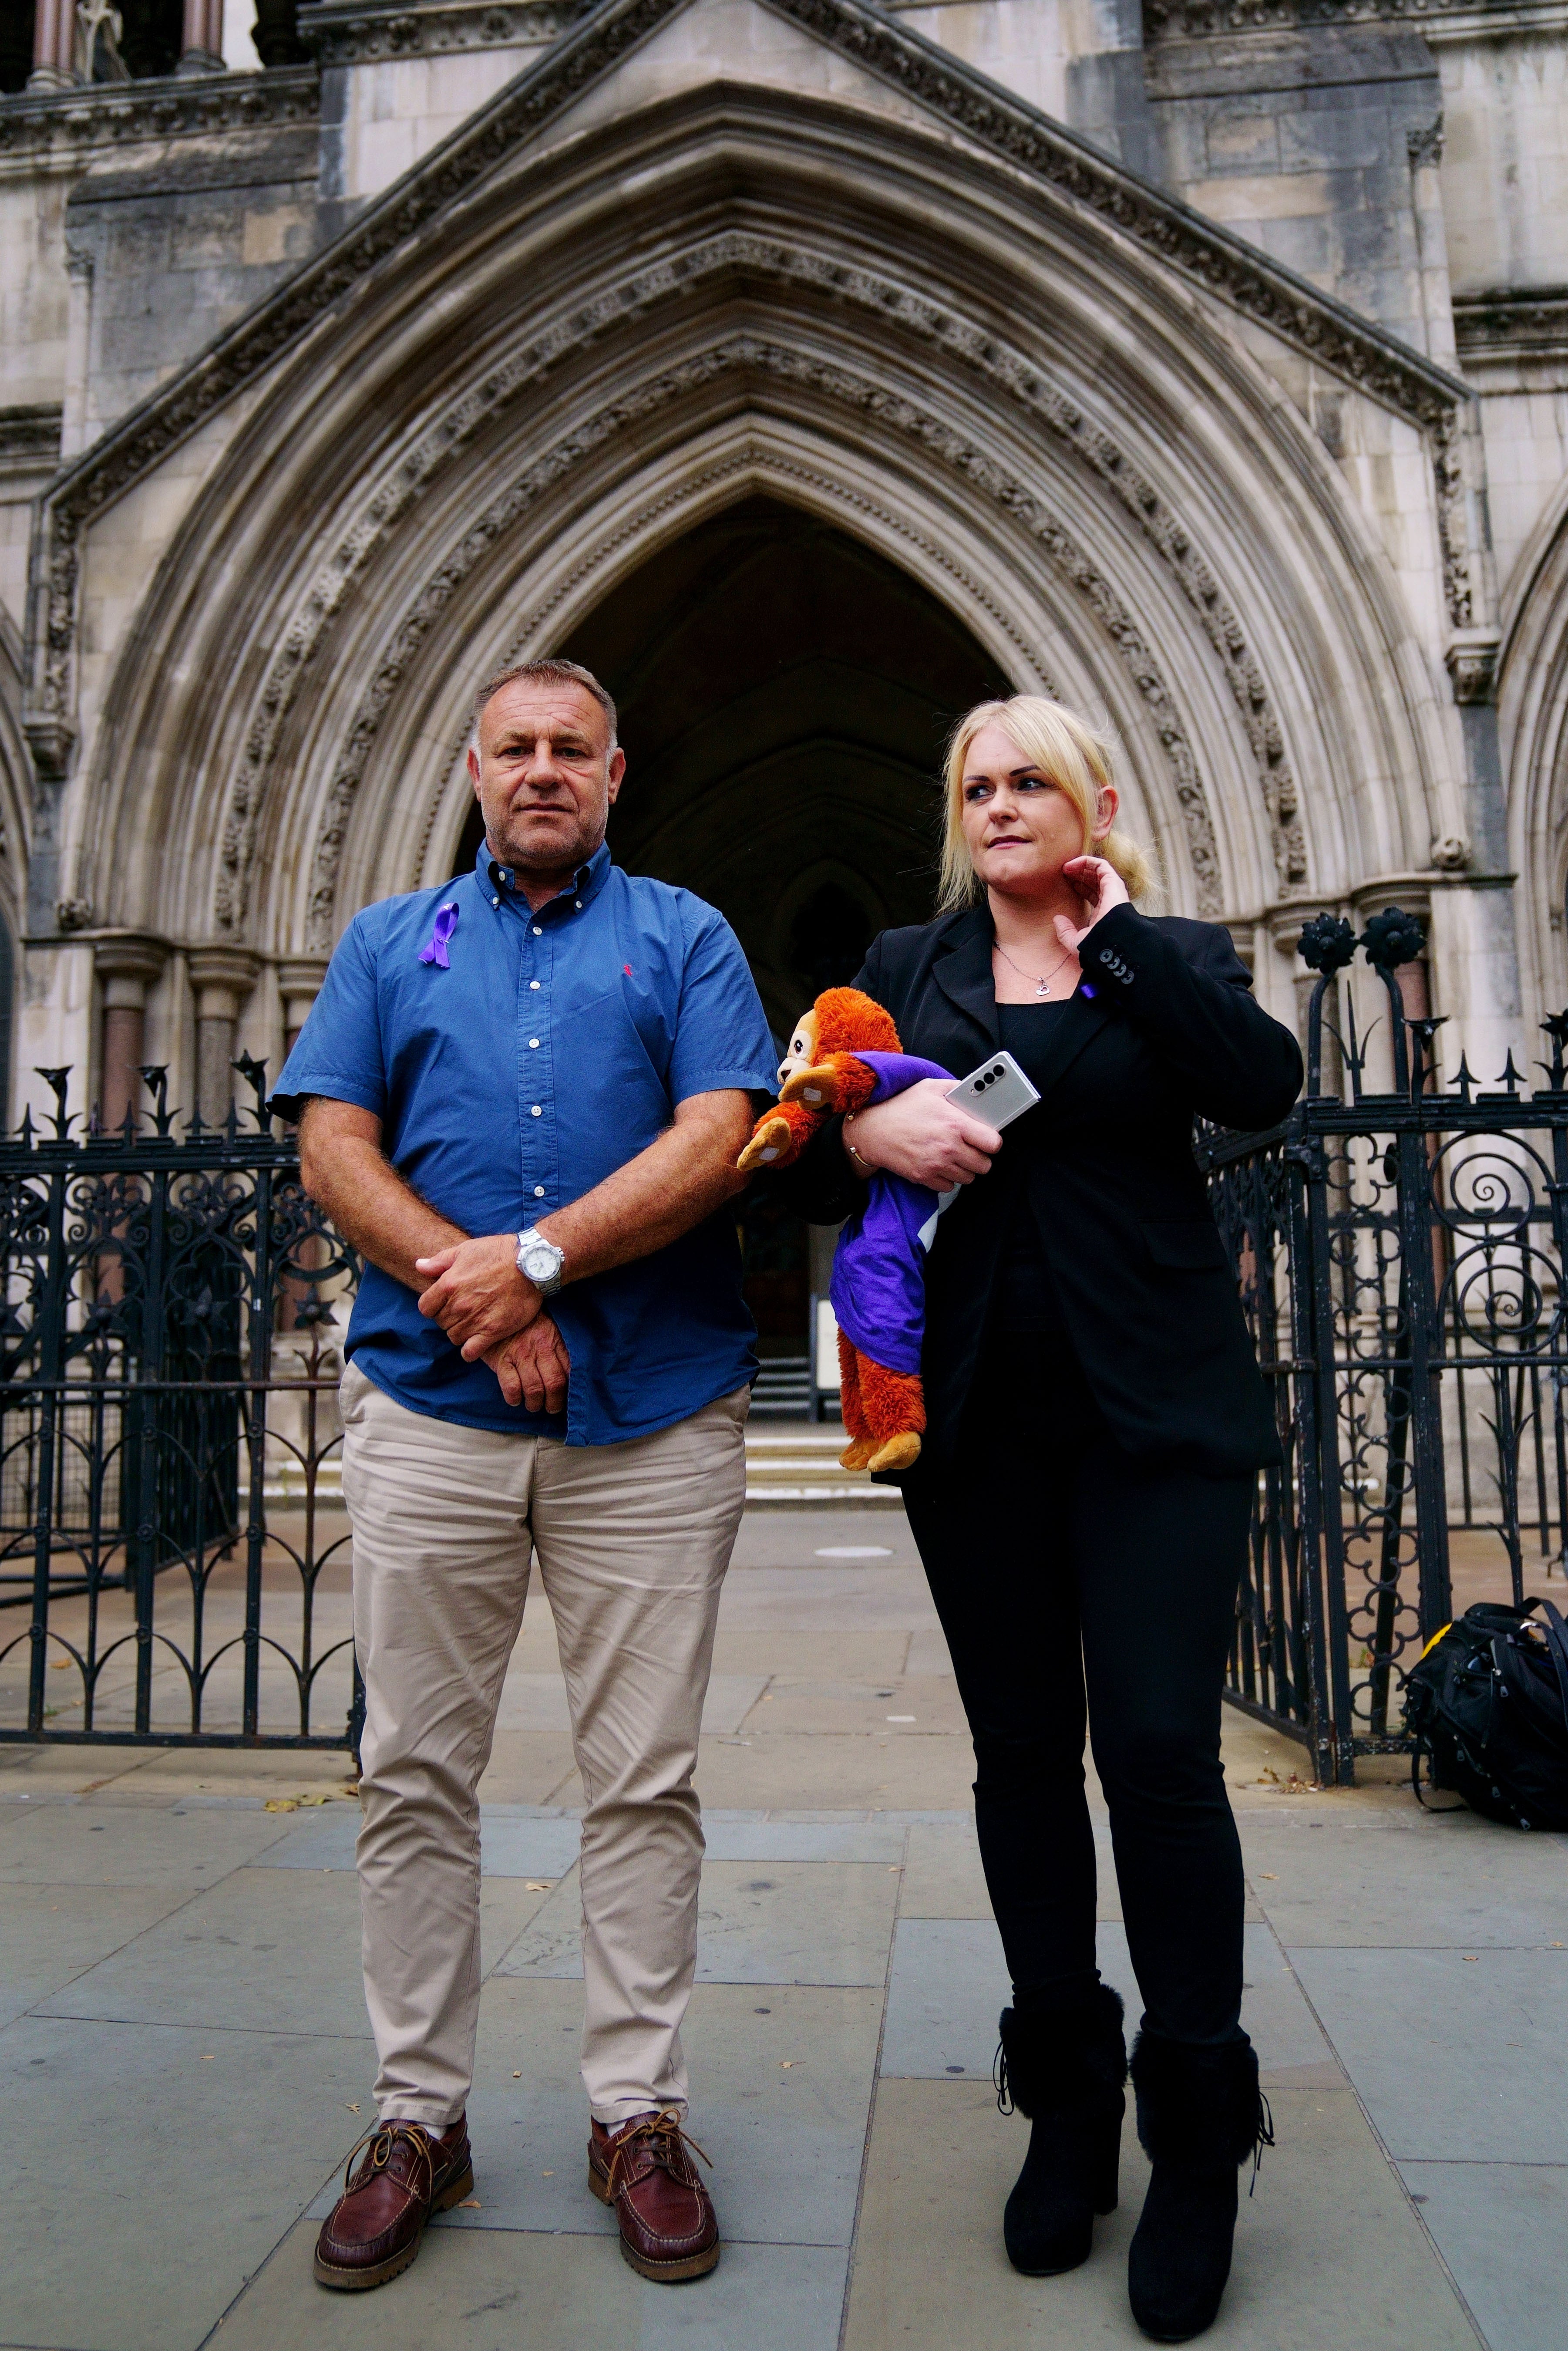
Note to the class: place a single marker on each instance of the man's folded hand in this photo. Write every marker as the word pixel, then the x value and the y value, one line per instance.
pixel 477 1295
pixel 532 1367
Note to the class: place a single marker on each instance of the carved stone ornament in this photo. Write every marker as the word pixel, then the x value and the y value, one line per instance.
pixel 115 115
pixel 1199 21
pixel 1471 656
pixel 1219 263
pixel 1451 855
pixel 339 36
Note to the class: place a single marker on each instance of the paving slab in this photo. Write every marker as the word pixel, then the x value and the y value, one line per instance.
pixel 949 1982
pixel 125 1844
pixel 735 1836
pixel 50 1934
pixel 529 1768
pixel 762 1924
pixel 1458 1880
pixel 1454 2058
pixel 526 2289
pixel 264 1950
pixel 779 1651
pixel 1329 2252
pixel 786 2140
pixel 156 2168
pixel 1502 2229
pixel 904 1706
pixel 826 1770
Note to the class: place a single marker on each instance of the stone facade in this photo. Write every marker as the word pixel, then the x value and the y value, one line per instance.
pixel 812 365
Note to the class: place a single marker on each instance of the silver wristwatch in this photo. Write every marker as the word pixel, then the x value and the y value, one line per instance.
pixel 541 1259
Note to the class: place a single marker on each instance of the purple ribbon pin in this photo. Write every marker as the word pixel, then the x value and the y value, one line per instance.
pixel 434 948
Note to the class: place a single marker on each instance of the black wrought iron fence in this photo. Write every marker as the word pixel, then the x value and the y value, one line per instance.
pixel 169 1439
pixel 1401 1258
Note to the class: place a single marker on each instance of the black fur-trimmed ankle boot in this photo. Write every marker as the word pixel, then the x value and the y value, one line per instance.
pixel 1063 2065
pixel 1200 2114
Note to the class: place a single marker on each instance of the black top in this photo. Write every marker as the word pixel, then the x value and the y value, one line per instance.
pixel 1025 1299
pixel 1163 1028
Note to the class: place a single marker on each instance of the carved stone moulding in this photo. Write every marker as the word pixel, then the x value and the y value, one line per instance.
pixel 38 123
pixel 978 471
pixel 340 36
pixel 1471 656
pixel 1526 321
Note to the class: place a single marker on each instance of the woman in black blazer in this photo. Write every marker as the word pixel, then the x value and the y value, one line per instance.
pixel 1095 1425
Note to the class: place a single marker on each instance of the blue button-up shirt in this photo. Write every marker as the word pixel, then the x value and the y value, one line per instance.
pixel 552 1047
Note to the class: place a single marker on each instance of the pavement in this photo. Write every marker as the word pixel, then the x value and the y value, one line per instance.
pixel 185 2058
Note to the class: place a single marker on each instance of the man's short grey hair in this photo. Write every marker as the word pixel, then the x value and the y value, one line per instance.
pixel 551 669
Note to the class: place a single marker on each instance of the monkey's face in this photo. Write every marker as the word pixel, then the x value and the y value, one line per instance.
pixel 802 1051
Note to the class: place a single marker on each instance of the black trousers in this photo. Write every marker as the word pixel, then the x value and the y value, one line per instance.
pixel 1070 1580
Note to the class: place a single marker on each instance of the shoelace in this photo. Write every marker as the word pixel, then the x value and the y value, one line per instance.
pixel 665 2125
pixel 381 2139
pixel 1263 2137
pixel 999 2078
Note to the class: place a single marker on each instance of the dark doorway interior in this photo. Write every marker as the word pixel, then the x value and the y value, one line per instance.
pixel 784 693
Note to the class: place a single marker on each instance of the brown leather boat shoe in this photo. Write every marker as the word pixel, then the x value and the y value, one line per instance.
pixel 408 2174
pixel 644 2169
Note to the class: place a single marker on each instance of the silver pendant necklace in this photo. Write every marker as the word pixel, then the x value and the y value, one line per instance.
pixel 1042 987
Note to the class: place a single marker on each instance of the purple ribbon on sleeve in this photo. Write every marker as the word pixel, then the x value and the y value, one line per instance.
pixel 434 948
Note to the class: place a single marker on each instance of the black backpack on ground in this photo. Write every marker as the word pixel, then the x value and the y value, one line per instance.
pixel 1487 1702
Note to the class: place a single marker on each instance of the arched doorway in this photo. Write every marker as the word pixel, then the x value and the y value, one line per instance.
pixel 784 693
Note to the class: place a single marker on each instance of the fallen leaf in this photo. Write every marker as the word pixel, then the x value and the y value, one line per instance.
pixel 352 2106
pixel 468 2202
pixel 280 1806
pixel 537 1886
pixel 786 2062
pixel 1269 1874
pixel 209 2054
pixel 516 2074
pixel 1469 1957
pixel 549 2174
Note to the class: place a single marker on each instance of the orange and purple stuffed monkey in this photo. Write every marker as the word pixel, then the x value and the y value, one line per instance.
pixel 845 1053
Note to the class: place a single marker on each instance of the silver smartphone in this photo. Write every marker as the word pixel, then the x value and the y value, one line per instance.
pixel 997 1091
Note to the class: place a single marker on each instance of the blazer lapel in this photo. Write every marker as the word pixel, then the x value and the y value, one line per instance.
pixel 962 973
pixel 1082 1022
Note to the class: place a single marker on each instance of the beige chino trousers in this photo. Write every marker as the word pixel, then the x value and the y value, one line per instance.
pixel 633 1541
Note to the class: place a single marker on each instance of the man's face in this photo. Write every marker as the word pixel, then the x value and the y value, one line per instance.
pixel 545 776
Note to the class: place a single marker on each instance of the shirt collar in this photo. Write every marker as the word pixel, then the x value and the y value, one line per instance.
pixel 494 877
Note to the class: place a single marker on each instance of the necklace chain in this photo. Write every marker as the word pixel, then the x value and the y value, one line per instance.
pixel 1042 987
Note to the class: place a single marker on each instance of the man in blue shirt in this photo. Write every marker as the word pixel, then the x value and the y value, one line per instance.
pixel 533 1085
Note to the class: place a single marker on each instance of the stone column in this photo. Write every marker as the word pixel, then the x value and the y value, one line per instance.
pixel 299 984
pixel 127 968
pixel 54 45
pixel 1413 979
pixel 201 48
pixel 1284 924
pixel 221 979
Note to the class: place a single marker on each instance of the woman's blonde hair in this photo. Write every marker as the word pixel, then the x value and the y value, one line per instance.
pixel 1075 759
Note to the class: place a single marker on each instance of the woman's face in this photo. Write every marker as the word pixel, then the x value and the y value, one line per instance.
pixel 1020 827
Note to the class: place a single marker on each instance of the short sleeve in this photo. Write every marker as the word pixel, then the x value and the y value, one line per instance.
pixel 339 1051
pixel 721 1036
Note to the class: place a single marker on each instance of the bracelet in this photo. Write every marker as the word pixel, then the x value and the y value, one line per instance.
pixel 861 1167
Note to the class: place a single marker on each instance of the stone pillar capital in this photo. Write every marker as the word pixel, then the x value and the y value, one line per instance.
pixel 1284 924
pixel 1471 656
pixel 299 982
pixel 222 978
pixel 127 964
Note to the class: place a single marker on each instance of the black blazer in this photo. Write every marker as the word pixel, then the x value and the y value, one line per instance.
pixel 1146 1290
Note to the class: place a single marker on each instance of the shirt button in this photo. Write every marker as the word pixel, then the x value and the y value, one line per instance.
pixel 538 1110
pixel 533 1041
pixel 578 904
pixel 538 931
pixel 495 903
pixel 533 984
pixel 538 1192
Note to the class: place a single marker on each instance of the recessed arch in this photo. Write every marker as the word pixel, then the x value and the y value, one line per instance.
pixel 1085 499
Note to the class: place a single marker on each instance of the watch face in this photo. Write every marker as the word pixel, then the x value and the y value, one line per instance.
pixel 540 1261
